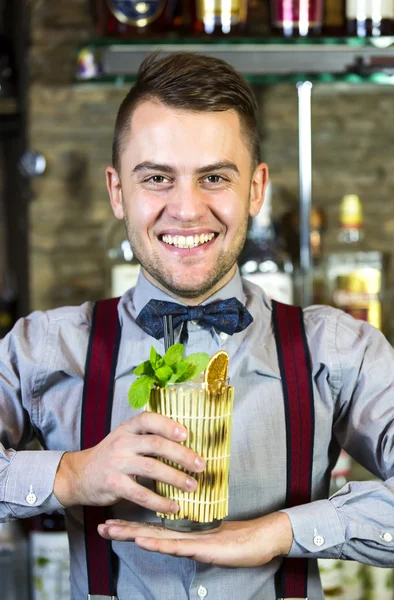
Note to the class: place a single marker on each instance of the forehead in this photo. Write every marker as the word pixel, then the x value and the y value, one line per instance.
pixel 184 138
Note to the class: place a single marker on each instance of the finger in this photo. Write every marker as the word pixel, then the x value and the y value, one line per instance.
pixel 129 489
pixel 120 530
pixel 156 445
pixel 151 422
pixel 148 467
pixel 194 549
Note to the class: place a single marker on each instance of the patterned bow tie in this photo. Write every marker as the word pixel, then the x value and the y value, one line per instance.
pixel 229 316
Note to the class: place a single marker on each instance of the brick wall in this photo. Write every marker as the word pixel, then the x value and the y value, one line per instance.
pixel 71 124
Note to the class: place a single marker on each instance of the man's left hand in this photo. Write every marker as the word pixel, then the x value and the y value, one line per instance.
pixel 233 544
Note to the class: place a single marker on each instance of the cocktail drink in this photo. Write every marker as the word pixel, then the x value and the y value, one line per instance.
pixel 205 409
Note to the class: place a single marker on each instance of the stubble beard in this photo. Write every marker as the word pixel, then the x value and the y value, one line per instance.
pixel 156 268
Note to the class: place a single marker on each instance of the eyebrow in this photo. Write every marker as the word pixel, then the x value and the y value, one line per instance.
pixel 218 166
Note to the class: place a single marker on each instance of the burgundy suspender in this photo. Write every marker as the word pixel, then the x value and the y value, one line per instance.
pixel 296 377
pixel 100 368
pixel 295 369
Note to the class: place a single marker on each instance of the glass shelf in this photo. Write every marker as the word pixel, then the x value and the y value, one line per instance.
pixel 262 61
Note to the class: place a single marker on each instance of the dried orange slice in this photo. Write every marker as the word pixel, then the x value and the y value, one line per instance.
pixel 217 368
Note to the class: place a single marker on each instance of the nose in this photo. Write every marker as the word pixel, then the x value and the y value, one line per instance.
pixel 187 203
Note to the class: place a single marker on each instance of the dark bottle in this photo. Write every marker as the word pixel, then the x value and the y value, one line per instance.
pixel 293 18
pixel 7 288
pixel 132 18
pixel 334 18
pixel 8 76
pixel 220 17
pixel 258 22
pixel 262 261
pixel 369 19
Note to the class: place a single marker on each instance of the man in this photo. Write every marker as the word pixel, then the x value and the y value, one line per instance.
pixel 186 176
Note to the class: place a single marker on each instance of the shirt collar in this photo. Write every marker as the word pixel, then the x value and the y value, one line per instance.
pixel 134 300
pixel 137 297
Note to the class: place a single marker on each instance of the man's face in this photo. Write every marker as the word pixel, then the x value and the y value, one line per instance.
pixel 186 189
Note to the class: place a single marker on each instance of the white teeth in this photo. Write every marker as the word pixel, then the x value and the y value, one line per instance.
pixel 189 241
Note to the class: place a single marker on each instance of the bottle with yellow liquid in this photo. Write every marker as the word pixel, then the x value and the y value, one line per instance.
pixel 355 273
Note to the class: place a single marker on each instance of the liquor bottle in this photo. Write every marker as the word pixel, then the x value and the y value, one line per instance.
pixel 220 17
pixel 49 557
pixel 258 22
pixel 379 583
pixel 354 273
pixel 123 266
pixel 262 261
pixel 334 18
pixel 8 75
pixel 293 18
pixel 369 18
pixel 131 18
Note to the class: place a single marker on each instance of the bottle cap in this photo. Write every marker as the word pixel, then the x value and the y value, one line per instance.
pixel 351 211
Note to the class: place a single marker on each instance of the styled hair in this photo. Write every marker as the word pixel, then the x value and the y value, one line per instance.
pixel 190 82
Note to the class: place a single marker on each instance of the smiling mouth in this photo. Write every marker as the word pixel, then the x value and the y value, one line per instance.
pixel 189 241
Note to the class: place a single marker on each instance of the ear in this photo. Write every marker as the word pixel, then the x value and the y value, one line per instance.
pixel 257 189
pixel 114 188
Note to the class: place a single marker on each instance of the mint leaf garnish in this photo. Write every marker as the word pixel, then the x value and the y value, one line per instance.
pixel 154 358
pixel 161 370
pixel 173 355
pixel 144 368
pixel 139 391
pixel 199 360
pixel 164 374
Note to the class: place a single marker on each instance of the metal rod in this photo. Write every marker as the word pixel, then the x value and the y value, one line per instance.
pixel 168 331
pixel 305 170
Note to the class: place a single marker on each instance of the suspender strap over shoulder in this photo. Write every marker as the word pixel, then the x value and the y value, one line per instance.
pixel 95 425
pixel 295 370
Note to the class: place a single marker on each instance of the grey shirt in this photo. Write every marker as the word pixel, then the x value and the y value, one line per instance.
pixel 41 381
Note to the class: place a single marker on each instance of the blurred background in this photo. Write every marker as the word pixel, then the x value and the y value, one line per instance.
pixel 323 74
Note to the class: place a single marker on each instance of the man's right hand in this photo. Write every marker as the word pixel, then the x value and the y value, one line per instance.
pixel 107 473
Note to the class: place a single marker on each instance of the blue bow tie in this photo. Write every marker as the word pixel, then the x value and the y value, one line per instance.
pixel 229 316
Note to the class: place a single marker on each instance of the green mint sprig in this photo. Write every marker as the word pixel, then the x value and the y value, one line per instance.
pixel 162 370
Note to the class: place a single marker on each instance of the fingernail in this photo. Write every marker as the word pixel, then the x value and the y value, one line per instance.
pixel 191 484
pixel 180 434
pixel 174 508
pixel 112 521
pixel 199 463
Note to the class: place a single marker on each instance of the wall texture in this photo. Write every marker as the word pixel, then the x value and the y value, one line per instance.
pixel 71 124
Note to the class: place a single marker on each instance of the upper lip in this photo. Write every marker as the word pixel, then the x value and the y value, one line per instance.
pixel 186 232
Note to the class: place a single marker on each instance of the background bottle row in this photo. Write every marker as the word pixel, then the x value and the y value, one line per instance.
pixel 133 19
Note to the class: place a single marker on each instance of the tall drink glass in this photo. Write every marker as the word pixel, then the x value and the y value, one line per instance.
pixel 206 411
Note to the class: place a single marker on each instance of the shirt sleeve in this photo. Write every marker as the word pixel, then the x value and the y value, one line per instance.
pixel 356 523
pixel 26 477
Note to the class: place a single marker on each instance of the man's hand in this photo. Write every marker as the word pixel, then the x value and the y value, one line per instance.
pixel 107 473
pixel 233 544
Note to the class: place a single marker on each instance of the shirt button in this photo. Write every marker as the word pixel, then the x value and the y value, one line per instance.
pixel 223 335
pixel 31 498
pixel 387 537
pixel 194 322
pixel 318 540
pixel 202 591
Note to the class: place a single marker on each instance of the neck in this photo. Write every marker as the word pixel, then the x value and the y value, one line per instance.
pixel 195 300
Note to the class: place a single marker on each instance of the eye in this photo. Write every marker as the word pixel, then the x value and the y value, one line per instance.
pixel 156 179
pixel 214 179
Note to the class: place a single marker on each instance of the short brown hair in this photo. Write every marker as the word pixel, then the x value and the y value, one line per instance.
pixel 190 82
